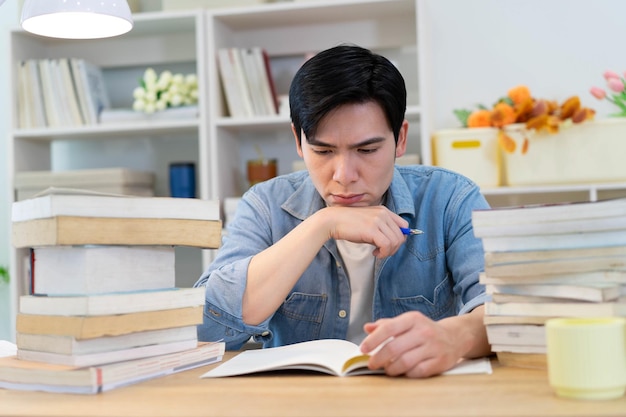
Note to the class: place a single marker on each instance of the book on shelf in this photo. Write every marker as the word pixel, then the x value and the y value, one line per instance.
pixel 254 80
pixel 69 345
pixel 330 356
pixel 508 220
pixel 585 292
pixel 40 376
pixel 90 327
pixel 69 93
pixel 101 358
pixel 233 81
pixel 114 180
pixel 577 278
pixel 268 85
pixel 86 270
pixel 93 96
pixel 72 230
pixel 77 202
pixel 573 309
pixel 48 94
pixel 112 303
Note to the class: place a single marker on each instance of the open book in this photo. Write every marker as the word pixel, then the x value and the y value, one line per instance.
pixel 331 356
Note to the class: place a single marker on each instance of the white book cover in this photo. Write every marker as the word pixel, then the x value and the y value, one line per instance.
pixel 240 76
pixel 108 304
pixel 39 110
pixel 85 270
pixel 69 93
pixel 48 91
pixel 76 202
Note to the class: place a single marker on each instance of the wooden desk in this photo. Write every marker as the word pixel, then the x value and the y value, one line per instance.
pixel 508 391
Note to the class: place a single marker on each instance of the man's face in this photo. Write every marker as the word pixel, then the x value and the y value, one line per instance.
pixel 351 159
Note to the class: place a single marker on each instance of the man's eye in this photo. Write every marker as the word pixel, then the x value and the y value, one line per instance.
pixel 368 150
pixel 322 151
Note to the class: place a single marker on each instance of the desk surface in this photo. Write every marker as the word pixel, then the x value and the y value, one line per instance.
pixel 508 391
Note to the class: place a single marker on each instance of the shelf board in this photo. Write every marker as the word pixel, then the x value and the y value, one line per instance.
pixel 307 13
pixel 135 129
pixel 268 123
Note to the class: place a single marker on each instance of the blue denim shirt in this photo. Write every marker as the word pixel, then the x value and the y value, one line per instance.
pixel 435 273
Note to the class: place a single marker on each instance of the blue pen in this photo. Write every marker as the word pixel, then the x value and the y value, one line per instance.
pixel 407 231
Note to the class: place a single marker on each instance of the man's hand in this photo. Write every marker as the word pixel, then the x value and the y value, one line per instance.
pixel 376 225
pixel 419 347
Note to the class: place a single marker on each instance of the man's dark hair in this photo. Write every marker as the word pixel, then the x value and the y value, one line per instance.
pixel 345 74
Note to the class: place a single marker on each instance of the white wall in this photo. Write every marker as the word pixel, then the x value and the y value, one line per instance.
pixel 8 18
pixel 558 48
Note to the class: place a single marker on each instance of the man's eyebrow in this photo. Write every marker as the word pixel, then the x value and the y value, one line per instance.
pixel 366 142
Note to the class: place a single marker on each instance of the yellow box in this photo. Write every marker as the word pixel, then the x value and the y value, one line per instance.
pixel 590 152
pixel 472 152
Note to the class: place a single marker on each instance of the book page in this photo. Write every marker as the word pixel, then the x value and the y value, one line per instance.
pixel 326 355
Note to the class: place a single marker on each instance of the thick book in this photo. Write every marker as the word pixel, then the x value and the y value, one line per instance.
pixel 584 292
pixel 69 345
pixel 330 356
pixel 90 327
pixel 101 358
pixel 117 303
pixel 559 266
pixel 40 376
pixel 76 230
pixel 560 255
pixel 580 309
pixel 517 334
pixel 594 239
pixel 523 360
pixel 545 218
pixel 75 202
pixel 583 278
pixel 86 270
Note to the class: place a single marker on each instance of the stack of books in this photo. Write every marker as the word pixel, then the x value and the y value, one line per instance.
pixel 545 261
pixel 104 310
pixel 247 82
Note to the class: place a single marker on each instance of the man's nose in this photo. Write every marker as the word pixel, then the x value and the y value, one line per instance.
pixel 346 170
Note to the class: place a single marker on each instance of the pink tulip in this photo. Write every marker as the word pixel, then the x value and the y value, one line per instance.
pixel 616 85
pixel 598 93
pixel 608 75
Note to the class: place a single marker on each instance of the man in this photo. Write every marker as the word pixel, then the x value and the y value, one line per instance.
pixel 320 253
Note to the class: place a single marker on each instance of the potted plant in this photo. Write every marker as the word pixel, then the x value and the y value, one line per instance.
pixel 4 275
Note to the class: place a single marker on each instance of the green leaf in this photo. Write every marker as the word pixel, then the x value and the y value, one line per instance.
pixel 462 115
pixel 4 274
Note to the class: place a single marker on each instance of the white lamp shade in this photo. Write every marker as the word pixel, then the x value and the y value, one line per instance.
pixel 77 19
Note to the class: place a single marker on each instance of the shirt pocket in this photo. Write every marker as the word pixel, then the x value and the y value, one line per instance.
pixel 435 304
pixel 299 318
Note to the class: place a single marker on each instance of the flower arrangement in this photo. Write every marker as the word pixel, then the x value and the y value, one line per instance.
pixel 616 84
pixel 518 106
pixel 158 92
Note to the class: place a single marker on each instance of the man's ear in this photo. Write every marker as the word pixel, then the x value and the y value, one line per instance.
pixel 298 143
pixel 402 138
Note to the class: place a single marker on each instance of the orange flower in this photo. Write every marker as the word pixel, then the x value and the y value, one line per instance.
pixel 479 118
pixel 502 114
pixel 519 94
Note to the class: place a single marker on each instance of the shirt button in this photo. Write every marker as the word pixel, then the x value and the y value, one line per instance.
pixel 342 313
pixel 265 333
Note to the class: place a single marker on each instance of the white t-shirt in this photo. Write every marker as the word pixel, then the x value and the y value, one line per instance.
pixel 359 264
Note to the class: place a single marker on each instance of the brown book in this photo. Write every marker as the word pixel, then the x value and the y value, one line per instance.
pixel 86 327
pixel 74 230
pixel 523 360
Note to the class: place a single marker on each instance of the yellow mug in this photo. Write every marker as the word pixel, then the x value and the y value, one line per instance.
pixel 587 357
